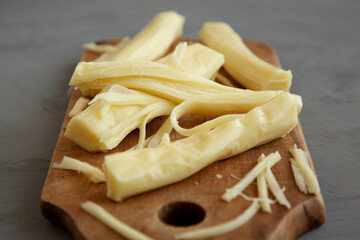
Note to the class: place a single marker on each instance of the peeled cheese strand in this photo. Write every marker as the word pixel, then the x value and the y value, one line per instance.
pixel 223 228
pixel 262 188
pixel 227 106
pixel 234 191
pixel 302 163
pixel 299 178
pixel 101 48
pixel 79 105
pixel 112 115
pixel 275 188
pixel 69 163
pixel 133 172
pixel 109 220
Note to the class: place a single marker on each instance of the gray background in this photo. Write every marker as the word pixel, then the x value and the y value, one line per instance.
pixel 40 42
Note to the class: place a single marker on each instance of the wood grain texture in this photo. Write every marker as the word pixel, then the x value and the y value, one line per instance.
pixel 64 191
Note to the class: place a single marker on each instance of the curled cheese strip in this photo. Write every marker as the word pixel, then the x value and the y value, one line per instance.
pixel 114 136
pixel 243 65
pixel 69 163
pixel 101 48
pixel 234 191
pixel 79 105
pixel 133 172
pixel 222 228
pixel 230 105
pixel 262 188
pixel 275 188
pixel 302 163
pixel 109 220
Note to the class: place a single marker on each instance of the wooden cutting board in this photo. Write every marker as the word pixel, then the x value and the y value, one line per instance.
pixel 190 204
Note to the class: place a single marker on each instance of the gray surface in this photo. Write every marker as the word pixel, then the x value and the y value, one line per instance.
pixel 40 44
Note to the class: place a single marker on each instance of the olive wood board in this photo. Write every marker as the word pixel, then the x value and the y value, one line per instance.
pixel 165 212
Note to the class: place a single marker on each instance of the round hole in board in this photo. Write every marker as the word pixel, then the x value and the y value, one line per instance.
pixel 181 213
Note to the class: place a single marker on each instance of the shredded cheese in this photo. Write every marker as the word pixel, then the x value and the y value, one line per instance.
pixel 79 105
pixel 224 80
pixel 275 188
pixel 299 178
pixel 115 224
pixel 69 163
pixel 301 161
pixel 222 228
pixel 234 191
pixel 262 188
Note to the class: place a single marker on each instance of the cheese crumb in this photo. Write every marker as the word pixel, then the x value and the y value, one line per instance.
pixel 219 176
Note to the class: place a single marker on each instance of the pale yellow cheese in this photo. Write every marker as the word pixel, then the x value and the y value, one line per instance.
pixel 100 48
pixel 234 191
pixel 121 44
pixel 302 163
pixel 225 107
pixel 243 65
pixel 195 58
pixel 299 178
pixel 152 77
pixel 115 224
pixel 69 163
pixel 154 40
pixel 79 105
pixel 224 80
pixel 112 115
pixel 133 172
pixel 223 228
pixel 262 188
pixel 275 188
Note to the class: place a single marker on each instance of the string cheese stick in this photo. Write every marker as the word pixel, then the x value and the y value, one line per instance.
pixel 243 65
pixel 222 228
pixel 153 40
pixel 302 163
pixel 69 163
pixel 262 188
pixel 109 220
pixel 234 191
pixel 132 172
pixel 275 188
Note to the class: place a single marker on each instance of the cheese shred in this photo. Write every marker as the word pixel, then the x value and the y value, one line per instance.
pixel 301 162
pixel 79 105
pixel 123 229
pixel 222 228
pixel 234 191
pixel 69 163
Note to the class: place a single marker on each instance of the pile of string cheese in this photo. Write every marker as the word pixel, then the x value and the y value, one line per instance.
pixel 134 82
